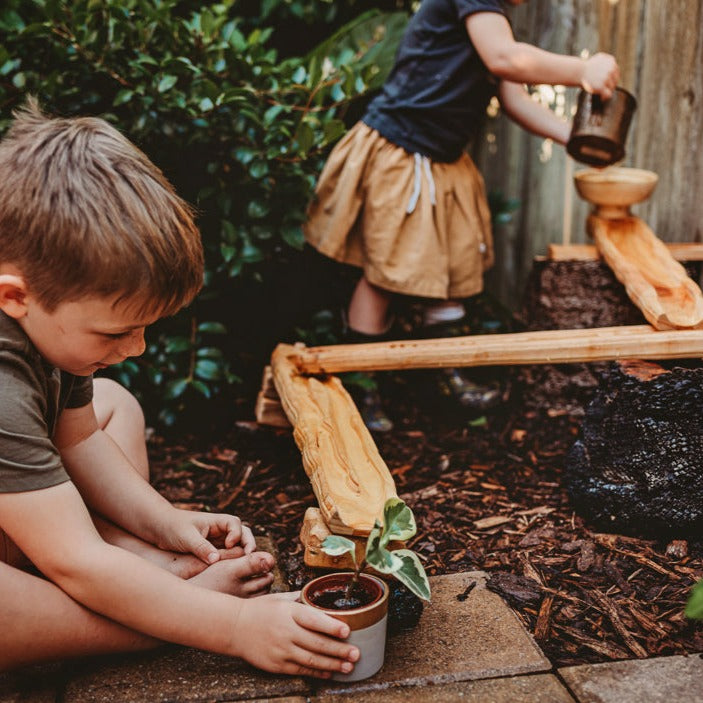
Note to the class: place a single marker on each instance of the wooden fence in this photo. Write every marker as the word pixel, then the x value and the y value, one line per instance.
pixel 659 45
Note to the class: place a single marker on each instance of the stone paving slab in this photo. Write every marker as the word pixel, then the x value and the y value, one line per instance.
pixel 662 679
pixel 538 688
pixel 35 684
pixel 176 675
pixel 459 637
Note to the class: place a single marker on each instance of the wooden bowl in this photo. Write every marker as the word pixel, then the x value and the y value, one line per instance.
pixel 613 190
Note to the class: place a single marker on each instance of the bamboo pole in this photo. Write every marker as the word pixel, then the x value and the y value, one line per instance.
pixel 541 347
pixel 686 251
pixel 349 478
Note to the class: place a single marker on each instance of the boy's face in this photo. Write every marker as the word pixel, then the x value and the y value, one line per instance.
pixel 84 336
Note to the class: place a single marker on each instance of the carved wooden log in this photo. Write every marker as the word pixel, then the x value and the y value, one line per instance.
pixel 637 464
pixel 349 478
pixel 540 347
pixel 655 282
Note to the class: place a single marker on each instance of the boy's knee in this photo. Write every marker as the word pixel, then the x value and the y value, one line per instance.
pixel 110 399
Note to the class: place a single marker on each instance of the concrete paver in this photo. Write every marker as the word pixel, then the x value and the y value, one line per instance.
pixel 177 674
pixel 456 640
pixel 663 679
pixel 538 688
pixel 35 684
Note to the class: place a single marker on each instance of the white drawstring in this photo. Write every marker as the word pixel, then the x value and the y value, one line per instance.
pixel 417 183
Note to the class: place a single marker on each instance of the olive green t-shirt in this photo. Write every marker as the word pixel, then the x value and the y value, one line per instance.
pixel 32 396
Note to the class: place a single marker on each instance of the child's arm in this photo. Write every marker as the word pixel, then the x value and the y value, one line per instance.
pixel 519 62
pixel 530 115
pixel 53 528
pixel 111 486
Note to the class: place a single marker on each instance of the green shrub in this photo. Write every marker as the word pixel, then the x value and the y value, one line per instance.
pixel 240 133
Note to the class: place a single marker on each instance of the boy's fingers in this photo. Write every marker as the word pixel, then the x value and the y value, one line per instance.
pixel 328 647
pixel 204 550
pixel 311 662
pixel 312 619
pixel 247 539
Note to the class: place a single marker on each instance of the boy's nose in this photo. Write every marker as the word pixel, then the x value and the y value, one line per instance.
pixel 134 344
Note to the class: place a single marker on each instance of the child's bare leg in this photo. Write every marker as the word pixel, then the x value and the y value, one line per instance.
pixel 39 622
pixel 368 308
pixel 120 416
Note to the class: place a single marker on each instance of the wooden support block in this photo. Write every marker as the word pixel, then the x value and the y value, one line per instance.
pixel 540 347
pixel 268 388
pixel 270 412
pixel 681 251
pixel 654 281
pixel 349 478
pixel 312 535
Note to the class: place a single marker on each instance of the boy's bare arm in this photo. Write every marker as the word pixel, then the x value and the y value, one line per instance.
pixel 531 115
pixel 111 486
pixel 520 62
pixel 53 528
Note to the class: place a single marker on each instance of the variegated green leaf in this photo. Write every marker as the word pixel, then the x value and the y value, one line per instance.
pixel 412 573
pixel 398 521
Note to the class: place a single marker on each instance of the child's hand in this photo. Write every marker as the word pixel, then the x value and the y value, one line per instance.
pixel 192 532
pixel 284 636
pixel 600 75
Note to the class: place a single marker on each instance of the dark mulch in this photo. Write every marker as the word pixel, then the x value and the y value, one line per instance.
pixel 487 495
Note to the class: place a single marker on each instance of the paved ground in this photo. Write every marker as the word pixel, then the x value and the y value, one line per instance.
pixel 470 649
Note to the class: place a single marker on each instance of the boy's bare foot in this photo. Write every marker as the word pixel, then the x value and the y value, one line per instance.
pixel 245 577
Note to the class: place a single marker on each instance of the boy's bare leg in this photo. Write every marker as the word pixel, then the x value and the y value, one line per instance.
pixel 39 622
pixel 120 415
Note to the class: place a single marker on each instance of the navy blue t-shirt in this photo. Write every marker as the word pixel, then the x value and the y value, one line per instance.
pixel 435 97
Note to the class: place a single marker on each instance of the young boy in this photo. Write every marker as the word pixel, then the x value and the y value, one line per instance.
pixel 401 199
pixel 94 246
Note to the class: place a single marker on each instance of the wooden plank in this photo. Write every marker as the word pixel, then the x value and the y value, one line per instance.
pixel 681 251
pixel 654 281
pixel 349 478
pixel 541 347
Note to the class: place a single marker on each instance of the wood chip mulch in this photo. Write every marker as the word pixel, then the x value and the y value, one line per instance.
pixel 487 496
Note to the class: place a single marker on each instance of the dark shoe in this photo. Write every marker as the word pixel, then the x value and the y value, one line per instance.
pixel 363 389
pixel 372 412
pixel 454 383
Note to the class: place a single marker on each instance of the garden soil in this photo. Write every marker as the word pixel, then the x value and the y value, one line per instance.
pixel 487 494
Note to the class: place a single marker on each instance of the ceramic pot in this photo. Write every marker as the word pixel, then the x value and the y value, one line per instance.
pixel 599 129
pixel 367 623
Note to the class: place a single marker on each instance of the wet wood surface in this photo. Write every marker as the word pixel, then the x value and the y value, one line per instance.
pixel 653 279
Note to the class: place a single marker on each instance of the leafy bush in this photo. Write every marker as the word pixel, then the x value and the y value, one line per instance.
pixel 240 133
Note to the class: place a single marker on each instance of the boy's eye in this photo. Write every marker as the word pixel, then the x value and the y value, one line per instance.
pixel 115 335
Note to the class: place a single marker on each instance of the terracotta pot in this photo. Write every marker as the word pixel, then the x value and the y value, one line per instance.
pixel 600 127
pixel 367 623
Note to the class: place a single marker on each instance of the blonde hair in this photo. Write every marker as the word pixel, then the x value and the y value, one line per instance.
pixel 83 212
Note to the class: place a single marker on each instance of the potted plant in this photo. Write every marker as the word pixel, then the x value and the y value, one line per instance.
pixel 361 599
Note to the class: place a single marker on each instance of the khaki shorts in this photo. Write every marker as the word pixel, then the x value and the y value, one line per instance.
pixel 414 226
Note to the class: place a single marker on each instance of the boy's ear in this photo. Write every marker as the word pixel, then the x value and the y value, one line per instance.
pixel 13 295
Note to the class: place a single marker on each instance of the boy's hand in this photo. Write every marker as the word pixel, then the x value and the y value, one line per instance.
pixel 284 636
pixel 193 532
pixel 600 75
